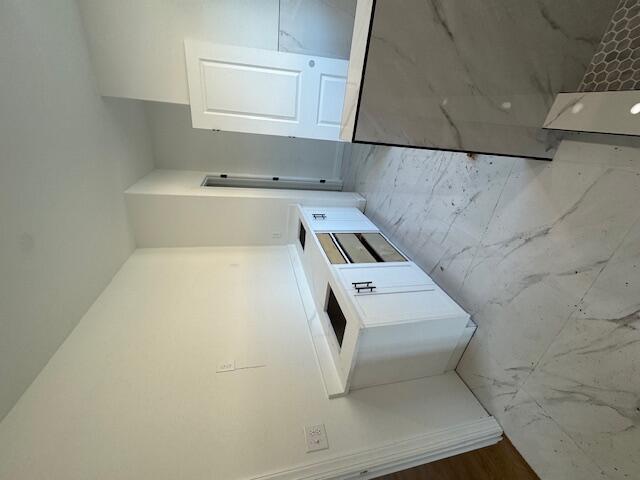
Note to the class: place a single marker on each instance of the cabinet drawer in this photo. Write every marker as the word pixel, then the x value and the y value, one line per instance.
pixel 330 249
pixel 386 278
pixel 338 220
pixel 354 248
pixel 368 248
pixel 409 306
pixel 381 248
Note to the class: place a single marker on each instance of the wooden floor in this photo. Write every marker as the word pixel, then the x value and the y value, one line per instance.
pixel 497 462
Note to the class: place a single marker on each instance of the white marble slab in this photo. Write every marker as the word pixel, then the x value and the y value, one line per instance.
pixel 316 27
pixel 549 238
pixel 589 379
pixel 435 204
pixel 549 266
pixel 548 449
pixel 462 76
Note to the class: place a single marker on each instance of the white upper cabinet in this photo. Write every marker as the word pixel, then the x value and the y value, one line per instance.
pixel 265 91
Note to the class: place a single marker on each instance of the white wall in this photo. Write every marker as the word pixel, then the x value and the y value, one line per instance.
pixel 138 47
pixel 66 156
pixel 179 146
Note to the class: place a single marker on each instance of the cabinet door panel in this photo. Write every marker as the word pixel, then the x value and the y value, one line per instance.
pixel 386 277
pixel 409 306
pixel 354 248
pixel 264 91
pixel 383 248
pixel 330 249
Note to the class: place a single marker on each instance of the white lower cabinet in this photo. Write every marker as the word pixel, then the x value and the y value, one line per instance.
pixel 409 328
pixel 383 322
pixel 394 353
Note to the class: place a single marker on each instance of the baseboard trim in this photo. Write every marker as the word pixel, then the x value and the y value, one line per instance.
pixel 371 463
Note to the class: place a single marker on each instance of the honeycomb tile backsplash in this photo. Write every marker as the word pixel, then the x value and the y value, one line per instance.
pixel 616 64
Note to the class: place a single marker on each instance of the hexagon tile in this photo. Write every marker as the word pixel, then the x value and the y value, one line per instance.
pixel 616 64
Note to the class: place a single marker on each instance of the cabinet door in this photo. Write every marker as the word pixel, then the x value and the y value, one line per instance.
pixel 400 293
pixel 429 303
pixel 264 91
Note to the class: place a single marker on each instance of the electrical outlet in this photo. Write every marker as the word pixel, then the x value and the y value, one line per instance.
pixel 276 235
pixel 316 437
pixel 228 366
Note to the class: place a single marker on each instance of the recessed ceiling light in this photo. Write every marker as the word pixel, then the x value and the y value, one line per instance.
pixel 635 109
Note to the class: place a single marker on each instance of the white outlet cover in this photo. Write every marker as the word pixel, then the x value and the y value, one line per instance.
pixel 227 366
pixel 316 438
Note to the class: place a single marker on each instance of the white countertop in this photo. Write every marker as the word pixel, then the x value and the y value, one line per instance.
pixel 188 183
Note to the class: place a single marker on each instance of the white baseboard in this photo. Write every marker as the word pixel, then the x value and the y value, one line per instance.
pixel 393 457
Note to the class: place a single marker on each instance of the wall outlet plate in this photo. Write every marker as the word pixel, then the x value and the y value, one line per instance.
pixel 227 366
pixel 316 438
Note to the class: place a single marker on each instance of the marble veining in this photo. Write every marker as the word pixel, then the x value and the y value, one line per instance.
pixel 316 27
pixel 472 76
pixel 546 257
pixel 592 369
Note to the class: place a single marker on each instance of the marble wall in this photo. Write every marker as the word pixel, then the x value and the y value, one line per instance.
pixel 546 257
pixel 475 75
pixel 316 27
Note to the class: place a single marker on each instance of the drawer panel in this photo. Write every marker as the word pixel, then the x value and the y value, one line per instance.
pixel 330 249
pixel 406 307
pixel 382 248
pixel 386 277
pixel 354 248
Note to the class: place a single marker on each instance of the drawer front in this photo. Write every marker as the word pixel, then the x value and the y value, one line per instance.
pixel 404 352
pixel 382 248
pixel 354 248
pixel 410 306
pixel 368 248
pixel 331 250
pixel 386 278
